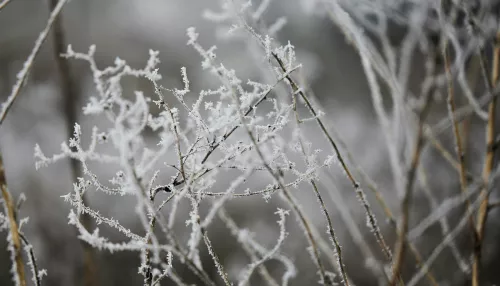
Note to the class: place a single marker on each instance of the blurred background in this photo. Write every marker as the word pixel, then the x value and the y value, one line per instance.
pixel 128 29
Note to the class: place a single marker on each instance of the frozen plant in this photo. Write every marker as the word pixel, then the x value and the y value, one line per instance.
pixel 194 134
pixel 244 137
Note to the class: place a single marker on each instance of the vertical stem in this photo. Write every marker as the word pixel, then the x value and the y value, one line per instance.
pixel 406 202
pixel 14 231
pixel 458 138
pixel 69 93
pixel 488 166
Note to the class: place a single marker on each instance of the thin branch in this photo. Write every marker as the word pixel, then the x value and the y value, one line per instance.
pixel 359 192
pixel 23 74
pixel 289 198
pixel 69 94
pixel 371 60
pixel 405 203
pixel 31 254
pixel 216 259
pixel 437 250
pixel 450 236
pixel 387 211
pixel 14 231
pixel 4 3
pixel 463 112
pixel 251 252
pixel 458 138
pixel 198 271
pixel 493 205
pixel 445 226
pixel 297 90
pixel 488 167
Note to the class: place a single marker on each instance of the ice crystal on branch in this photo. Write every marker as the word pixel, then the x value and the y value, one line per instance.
pixel 189 156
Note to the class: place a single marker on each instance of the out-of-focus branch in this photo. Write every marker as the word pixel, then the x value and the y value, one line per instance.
pixel 458 138
pixel 28 64
pixel 4 108
pixel 14 231
pixel 488 167
pixel 371 185
pixel 4 3
pixel 406 201
pixel 69 94
pixel 493 205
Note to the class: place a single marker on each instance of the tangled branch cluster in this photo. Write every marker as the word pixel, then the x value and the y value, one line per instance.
pixel 255 129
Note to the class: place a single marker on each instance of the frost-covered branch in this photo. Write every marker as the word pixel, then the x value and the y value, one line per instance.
pixel 22 75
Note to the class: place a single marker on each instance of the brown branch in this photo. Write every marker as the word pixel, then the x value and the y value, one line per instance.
pixel 458 138
pixel 387 211
pixel 371 185
pixel 488 166
pixel 390 217
pixel 350 176
pixel 14 231
pixel 405 203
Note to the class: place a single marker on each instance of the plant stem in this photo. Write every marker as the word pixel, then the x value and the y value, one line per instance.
pixel 14 231
pixel 488 167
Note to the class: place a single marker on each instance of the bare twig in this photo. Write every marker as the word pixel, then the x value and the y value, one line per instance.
pixel 406 201
pixel 372 61
pixel 463 112
pixel 493 205
pixel 23 74
pixel 359 192
pixel 457 136
pixel 288 197
pixel 322 204
pixel 437 250
pixel 216 259
pixel 251 251
pixel 31 254
pixel 488 167
pixel 445 226
pixel 387 211
pixel 14 231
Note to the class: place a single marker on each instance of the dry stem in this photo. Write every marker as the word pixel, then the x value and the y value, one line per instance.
pixel 405 203
pixel 488 167
pixel 457 136
pixel 14 231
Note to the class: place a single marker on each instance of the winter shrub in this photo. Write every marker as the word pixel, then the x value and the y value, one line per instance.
pixel 240 138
